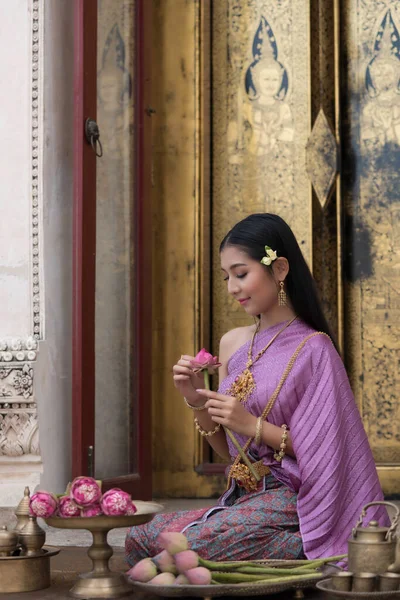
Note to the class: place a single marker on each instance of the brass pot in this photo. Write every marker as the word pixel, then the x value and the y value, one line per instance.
pixel 8 541
pixel 26 573
pixel 32 537
pixel 373 549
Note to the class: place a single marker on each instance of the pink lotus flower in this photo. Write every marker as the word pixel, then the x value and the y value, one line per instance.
pixel 205 361
pixel 163 579
pixel 188 559
pixel 131 510
pixel 164 562
pixel 143 571
pixel 85 491
pixel 67 507
pixel 115 502
pixel 43 504
pixel 173 542
pixel 94 510
pixel 199 576
pixel 181 580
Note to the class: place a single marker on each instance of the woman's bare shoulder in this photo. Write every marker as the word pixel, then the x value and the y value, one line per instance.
pixel 233 339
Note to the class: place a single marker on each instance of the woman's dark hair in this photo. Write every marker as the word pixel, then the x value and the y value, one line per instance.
pixel 265 229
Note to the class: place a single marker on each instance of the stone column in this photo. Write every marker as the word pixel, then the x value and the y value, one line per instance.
pixel 35 246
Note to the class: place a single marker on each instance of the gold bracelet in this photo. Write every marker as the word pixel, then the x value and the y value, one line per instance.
pixel 205 433
pixel 257 437
pixel 279 455
pixel 202 407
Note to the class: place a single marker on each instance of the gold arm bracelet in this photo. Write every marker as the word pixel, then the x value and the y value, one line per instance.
pixel 257 437
pixel 205 433
pixel 279 455
pixel 202 407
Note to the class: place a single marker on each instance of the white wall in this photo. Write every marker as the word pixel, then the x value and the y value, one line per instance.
pixel 36 116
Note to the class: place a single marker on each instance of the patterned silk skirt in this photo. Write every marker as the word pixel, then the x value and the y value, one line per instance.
pixel 242 526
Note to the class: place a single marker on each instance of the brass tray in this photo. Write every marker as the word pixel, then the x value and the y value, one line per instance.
pixel 325 586
pixel 101 582
pixel 238 589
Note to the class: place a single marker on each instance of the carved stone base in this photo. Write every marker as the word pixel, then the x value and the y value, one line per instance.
pixel 16 473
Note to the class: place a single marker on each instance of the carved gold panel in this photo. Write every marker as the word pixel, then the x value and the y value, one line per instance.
pixel 372 202
pixel 261 123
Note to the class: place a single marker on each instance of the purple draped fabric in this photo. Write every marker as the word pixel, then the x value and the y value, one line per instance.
pixel 334 473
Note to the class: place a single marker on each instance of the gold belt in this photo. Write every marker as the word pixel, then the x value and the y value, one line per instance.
pixel 242 474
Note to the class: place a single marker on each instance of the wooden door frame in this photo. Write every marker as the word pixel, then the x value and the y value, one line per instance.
pixel 138 483
pixel 84 237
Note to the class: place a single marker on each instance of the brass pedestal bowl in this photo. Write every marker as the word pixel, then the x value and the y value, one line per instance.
pixel 101 582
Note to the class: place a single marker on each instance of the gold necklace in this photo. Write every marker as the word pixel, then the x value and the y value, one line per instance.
pixel 244 383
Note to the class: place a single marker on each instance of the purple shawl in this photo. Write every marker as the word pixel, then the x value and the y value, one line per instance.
pixel 334 472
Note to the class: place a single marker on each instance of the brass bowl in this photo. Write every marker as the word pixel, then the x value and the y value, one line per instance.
pixel 26 573
pixel 101 582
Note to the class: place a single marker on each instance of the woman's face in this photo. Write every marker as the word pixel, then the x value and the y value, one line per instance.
pixel 248 281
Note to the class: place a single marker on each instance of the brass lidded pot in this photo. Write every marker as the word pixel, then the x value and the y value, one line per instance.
pixel 8 541
pixel 32 537
pixel 22 511
pixel 372 549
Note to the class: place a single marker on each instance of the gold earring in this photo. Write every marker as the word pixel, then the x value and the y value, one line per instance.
pixel 282 297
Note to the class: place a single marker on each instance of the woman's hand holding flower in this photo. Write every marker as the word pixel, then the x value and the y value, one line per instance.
pixel 229 412
pixel 187 381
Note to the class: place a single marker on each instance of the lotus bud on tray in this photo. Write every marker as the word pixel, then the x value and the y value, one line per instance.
pixel 186 560
pixel 67 507
pixel 94 510
pixel 173 542
pixel 165 562
pixel 85 491
pixel 115 502
pixel 143 571
pixel 43 504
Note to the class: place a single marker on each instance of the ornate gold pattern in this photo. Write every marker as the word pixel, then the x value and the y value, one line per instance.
pixel 244 384
pixel 322 158
pixel 261 124
pixel 242 474
pixel 371 182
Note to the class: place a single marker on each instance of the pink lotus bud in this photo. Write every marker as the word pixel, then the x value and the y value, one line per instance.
pixel 164 562
pixel 143 571
pixel 115 502
pixel 43 504
pixel 85 491
pixel 181 580
pixel 186 560
pixel 204 360
pixel 131 510
pixel 163 579
pixel 68 508
pixel 173 542
pixel 94 510
pixel 199 576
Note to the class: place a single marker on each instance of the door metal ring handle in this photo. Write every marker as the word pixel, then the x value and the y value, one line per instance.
pixel 93 142
pixel 92 134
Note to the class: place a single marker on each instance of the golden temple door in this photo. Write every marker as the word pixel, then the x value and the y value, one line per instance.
pixel 290 107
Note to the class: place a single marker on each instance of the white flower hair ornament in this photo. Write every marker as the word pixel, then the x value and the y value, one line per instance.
pixel 271 255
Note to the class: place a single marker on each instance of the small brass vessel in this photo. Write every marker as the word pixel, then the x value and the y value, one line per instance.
pixel 8 541
pixel 32 538
pixel 372 549
pixel 26 573
pixel 22 511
